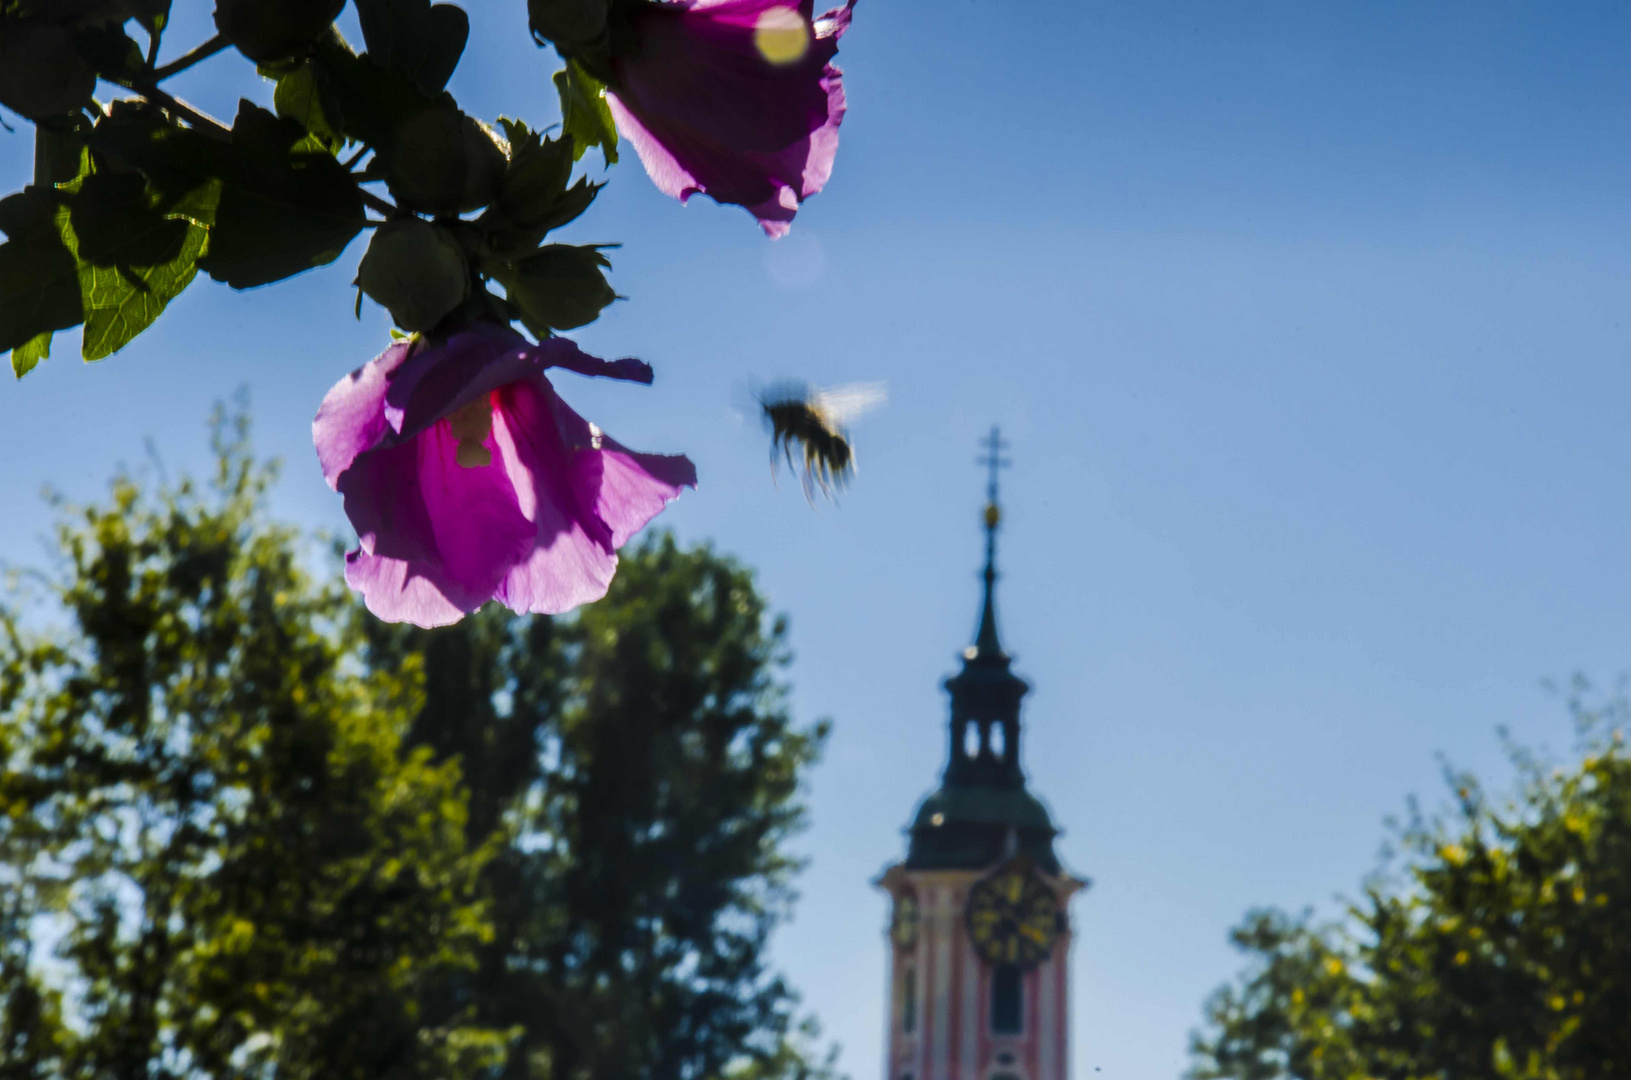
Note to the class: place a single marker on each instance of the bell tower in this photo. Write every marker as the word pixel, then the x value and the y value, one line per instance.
pixel 979 932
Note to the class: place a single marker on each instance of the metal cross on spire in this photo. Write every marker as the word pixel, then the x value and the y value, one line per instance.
pixel 986 638
pixel 993 444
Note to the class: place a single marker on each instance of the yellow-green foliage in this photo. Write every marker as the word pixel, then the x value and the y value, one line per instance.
pixel 1502 948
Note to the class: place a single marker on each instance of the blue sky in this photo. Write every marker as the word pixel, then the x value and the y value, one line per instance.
pixel 1307 323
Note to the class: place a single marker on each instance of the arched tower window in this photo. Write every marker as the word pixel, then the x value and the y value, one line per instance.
pixel 1007 1001
pixel 908 1000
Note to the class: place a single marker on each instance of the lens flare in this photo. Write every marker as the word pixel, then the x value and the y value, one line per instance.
pixel 781 35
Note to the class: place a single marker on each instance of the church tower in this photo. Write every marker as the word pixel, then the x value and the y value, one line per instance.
pixel 979 933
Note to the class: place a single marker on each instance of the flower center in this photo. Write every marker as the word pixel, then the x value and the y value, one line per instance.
pixel 781 36
pixel 471 424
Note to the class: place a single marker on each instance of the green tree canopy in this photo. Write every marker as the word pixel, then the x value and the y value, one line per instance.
pixel 641 768
pixel 247 832
pixel 1499 947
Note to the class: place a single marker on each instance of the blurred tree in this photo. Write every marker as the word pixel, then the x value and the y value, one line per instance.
pixel 247 831
pixel 1501 949
pixel 217 857
pixel 638 770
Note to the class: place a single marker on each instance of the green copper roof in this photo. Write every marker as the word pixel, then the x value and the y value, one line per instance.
pixel 968 827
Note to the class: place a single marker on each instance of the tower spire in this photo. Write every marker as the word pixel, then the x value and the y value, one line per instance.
pixel 985 638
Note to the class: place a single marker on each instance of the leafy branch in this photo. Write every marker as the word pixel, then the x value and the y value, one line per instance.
pixel 279 192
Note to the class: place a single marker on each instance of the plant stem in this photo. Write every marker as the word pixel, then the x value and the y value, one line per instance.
pixel 212 127
pixel 203 52
pixel 206 124
pixel 374 202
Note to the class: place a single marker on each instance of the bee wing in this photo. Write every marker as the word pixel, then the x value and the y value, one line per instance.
pixel 842 404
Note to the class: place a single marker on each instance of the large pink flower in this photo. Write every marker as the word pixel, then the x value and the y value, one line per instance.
pixel 468 479
pixel 736 99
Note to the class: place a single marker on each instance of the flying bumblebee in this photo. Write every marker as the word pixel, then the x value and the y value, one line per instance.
pixel 798 415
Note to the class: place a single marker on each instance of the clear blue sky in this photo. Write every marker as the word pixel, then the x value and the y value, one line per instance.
pixel 1307 322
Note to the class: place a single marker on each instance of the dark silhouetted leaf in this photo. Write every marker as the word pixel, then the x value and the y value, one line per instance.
pixel 449 32
pixel 111 52
pixel 39 286
pixel 276 201
pixel 115 225
pixel 154 15
pixel 414 39
pixel 559 287
pixel 533 198
pixel 286 206
pixel 183 168
pixel 363 99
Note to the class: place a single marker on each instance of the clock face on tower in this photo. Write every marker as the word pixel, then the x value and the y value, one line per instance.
pixel 1013 917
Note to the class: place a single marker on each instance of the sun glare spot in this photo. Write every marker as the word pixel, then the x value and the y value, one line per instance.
pixel 781 35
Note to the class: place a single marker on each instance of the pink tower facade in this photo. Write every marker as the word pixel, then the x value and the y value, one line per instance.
pixel 944 1020
pixel 979 934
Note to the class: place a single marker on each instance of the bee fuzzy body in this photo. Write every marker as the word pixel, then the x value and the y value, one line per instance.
pixel 806 430
pixel 823 453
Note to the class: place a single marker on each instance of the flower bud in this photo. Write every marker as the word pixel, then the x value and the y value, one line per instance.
pixel 41 73
pixel 446 163
pixel 568 22
pixel 266 30
pixel 416 271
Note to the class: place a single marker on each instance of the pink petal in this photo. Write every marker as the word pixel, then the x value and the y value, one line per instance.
pixel 537 528
pixel 454 531
pixel 351 419
pixel 706 112
pixel 393 592
pixel 441 379
pixel 661 163
pixel 587 499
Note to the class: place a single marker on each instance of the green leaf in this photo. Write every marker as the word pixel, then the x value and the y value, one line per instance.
pixel 585 116
pixel 363 99
pixel 533 198
pixel 558 288
pixel 449 33
pixel 114 223
pixel 121 302
pixel 154 15
pixel 283 209
pixel 27 356
pixel 39 285
pixel 183 168
pixel 296 98
pixel 275 201
pixel 415 39
pixel 512 237
pixel 132 258
pixel 111 51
